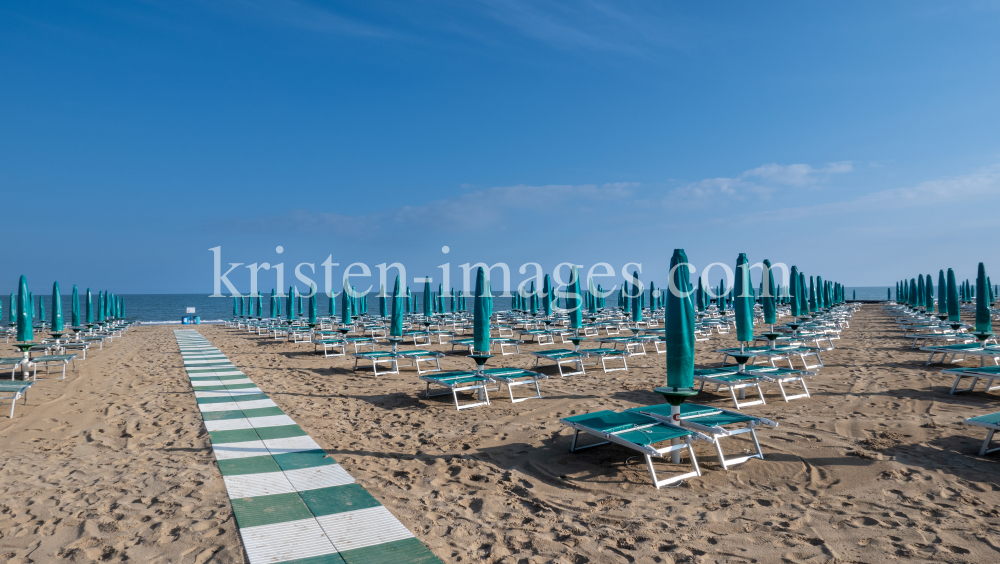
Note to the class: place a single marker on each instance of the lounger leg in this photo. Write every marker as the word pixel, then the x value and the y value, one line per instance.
pixel 982 452
pixel 652 471
pixel 753 435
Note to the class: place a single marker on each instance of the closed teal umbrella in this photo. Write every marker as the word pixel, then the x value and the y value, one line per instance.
pixel 396 322
pixel 382 311
pixel 532 297
pixel 793 292
pixel 679 334
pixel 451 299
pixel 75 307
pixel 743 305
pixel 480 316
pixel 942 305
pixel 121 306
pixel 313 313
pixel 41 308
pixel 812 296
pixel 406 300
pixel 427 297
pixel 260 304
pixel 913 292
pixel 12 310
pixel 290 304
pixel 90 307
pixel 820 294
pixel 929 294
pixel 345 304
pixel 333 304
pixel 803 295
pixel 57 317
pixel 954 313
pixel 920 291
pixel 100 307
pixel 573 301
pixel 636 297
pixel 983 323
pixel 767 295
pixel 700 296
pixel 24 329
pixel 547 296
pixel 652 295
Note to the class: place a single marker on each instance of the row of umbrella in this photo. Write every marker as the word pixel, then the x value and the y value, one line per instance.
pixel 21 310
pixel 918 293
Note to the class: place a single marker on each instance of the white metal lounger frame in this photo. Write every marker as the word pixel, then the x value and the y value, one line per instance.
pixel 991 428
pixel 331 344
pixel 561 358
pixel 480 386
pixel 604 355
pixel 716 433
pixel 732 386
pixel 971 373
pixel 647 451
pixel 517 378
pixel 376 358
pixel 423 356
pixel 21 394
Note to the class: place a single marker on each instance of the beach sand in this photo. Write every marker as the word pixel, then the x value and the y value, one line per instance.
pixel 113 463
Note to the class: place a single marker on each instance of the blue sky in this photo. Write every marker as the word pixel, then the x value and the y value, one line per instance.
pixel 857 140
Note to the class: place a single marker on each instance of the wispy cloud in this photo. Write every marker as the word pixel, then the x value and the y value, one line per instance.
pixel 500 208
pixel 944 194
pixel 760 182
pixel 304 15
pixel 595 25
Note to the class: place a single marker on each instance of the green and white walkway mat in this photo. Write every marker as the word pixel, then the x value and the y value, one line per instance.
pixel 293 503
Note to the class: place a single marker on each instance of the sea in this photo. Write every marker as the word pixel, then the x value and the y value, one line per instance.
pixel 171 308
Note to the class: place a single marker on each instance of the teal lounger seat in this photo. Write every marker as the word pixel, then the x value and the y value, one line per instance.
pixel 961 349
pixel 422 356
pixel 561 357
pixel 461 381
pixel 992 423
pixel 376 358
pixel 715 423
pixel 502 342
pixel 605 354
pixel 732 379
pixel 988 373
pixel 14 390
pixel 647 435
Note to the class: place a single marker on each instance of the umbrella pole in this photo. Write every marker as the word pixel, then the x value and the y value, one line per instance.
pixel 675 415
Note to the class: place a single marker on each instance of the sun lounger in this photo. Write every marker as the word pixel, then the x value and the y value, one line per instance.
pixel 376 358
pixel 782 376
pixel 938 339
pixel 14 390
pixel 50 360
pixel 715 423
pixel 635 346
pixel 637 432
pixel 12 362
pixel 992 423
pixel 963 349
pixel 730 378
pixel 605 355
pixel 988 373
pixel 503 343
pixel 561 357
pixel 455 382
pixel 423 356
pixel 329 344
pixel 512 377
pixel 541 336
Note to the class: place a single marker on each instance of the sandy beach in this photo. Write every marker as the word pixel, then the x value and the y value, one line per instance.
pixel 113 464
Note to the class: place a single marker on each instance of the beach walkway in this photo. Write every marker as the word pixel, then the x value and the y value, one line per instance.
pixel 292 501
